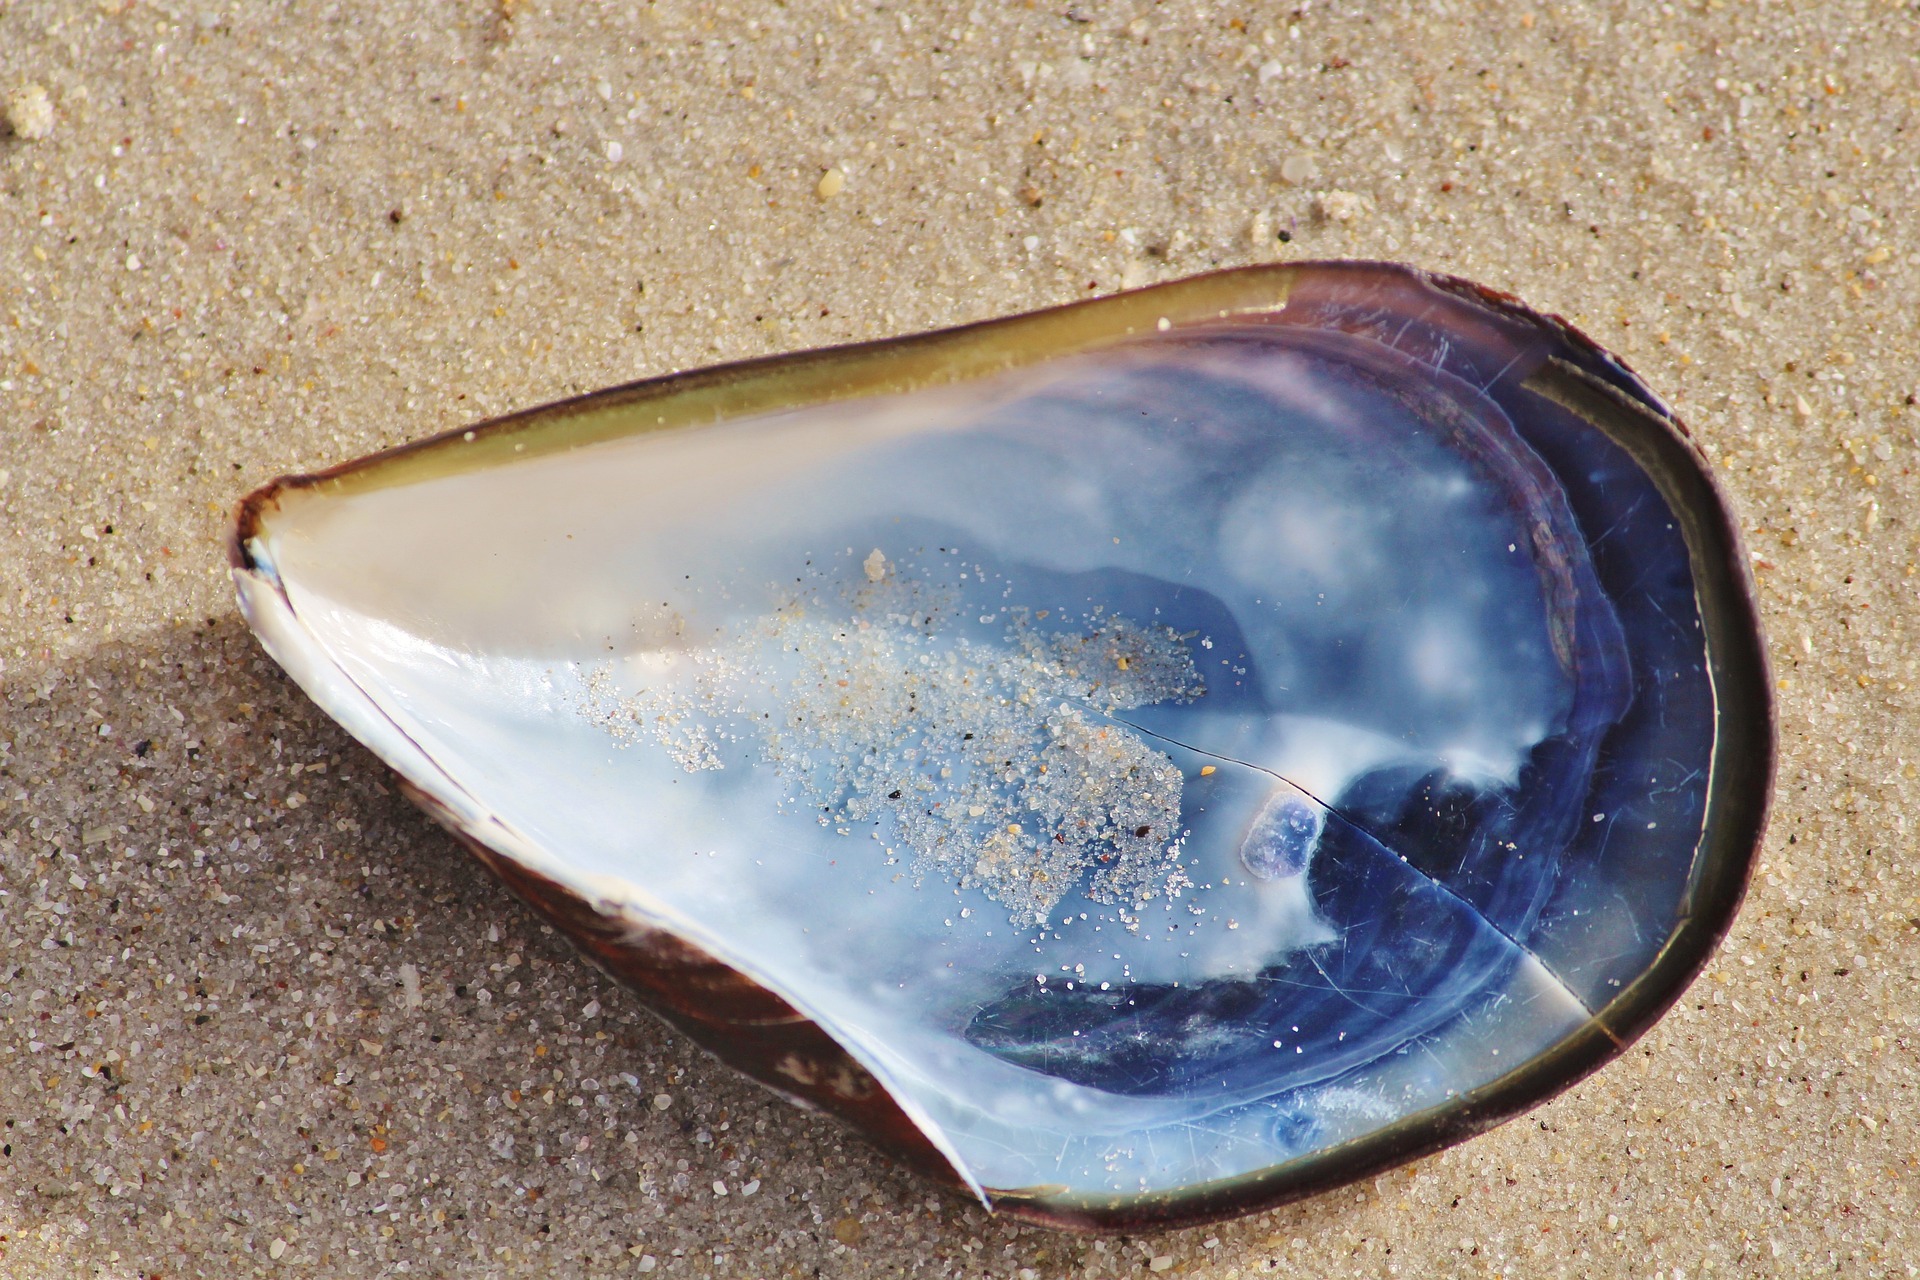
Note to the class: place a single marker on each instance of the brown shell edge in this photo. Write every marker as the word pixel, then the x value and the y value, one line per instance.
pixel 729 1015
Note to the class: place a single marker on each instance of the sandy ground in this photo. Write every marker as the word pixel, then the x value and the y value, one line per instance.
pixel 243 240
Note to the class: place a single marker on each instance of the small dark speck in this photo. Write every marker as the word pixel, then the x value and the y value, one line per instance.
pixel 396 217
pixel 143 746
pixel 1142 832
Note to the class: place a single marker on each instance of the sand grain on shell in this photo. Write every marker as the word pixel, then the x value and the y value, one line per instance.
pixel 993 765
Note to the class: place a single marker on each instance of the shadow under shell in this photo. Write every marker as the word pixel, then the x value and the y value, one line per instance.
pixel 1155 765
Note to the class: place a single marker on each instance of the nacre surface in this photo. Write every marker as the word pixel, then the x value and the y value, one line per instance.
pixel 1181 750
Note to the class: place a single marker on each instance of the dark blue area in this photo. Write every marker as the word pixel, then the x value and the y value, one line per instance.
pixel 1622 886
pixel 1438 886
pixel 1617 886
pixel 1410 957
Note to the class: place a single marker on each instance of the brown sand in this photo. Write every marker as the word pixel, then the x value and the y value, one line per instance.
pixel 263 238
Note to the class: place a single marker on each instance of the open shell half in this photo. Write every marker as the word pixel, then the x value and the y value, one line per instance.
pixel 1142 761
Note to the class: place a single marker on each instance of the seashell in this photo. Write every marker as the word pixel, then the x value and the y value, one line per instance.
pixel 1140 762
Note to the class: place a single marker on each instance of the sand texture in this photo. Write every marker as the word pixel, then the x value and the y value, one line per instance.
pixel 259 1016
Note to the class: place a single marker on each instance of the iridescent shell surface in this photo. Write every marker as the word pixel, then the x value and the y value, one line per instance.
pixel 1142 761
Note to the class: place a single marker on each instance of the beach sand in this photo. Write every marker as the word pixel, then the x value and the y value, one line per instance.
pixel 257 1015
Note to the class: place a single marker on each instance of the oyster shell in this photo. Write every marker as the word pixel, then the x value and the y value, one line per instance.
pixel 1141 762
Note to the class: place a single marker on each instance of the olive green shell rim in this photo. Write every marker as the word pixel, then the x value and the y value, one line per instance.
pixel 1740 790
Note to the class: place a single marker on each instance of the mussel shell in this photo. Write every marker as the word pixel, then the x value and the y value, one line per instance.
pixel 1647 613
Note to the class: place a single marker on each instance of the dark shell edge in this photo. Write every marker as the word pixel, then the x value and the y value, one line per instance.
pixel 758 1033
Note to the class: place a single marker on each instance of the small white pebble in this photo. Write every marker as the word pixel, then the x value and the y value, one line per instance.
pixel 1299 169
pixel 832 183
pixel 592 1010
pixel 276 1249
pixel 1162 1263
pixel 29 112
pixel 648 1262
pixel 752 1186
pixel 661 1101
pixel 875 565
pixel 615 153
